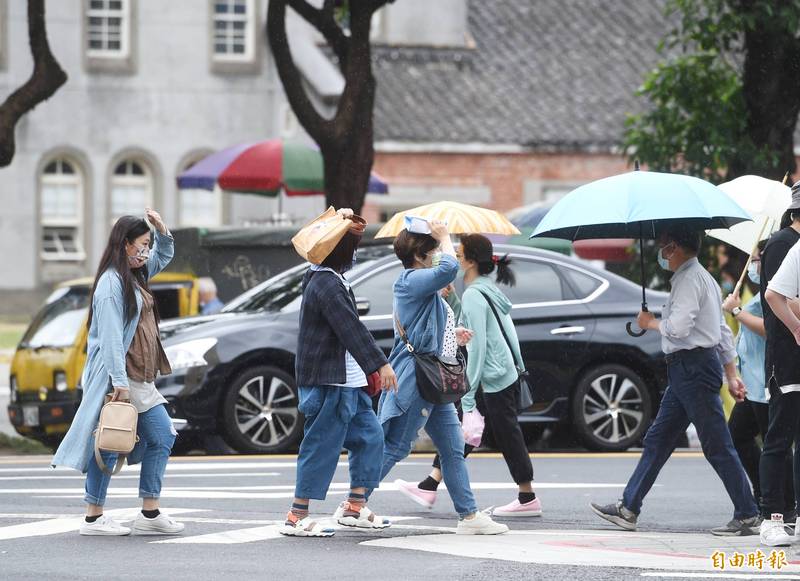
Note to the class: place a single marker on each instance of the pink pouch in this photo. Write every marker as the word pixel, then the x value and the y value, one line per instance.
pixel 472 425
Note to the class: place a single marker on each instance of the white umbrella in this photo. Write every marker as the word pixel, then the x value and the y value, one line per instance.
pixel 765 200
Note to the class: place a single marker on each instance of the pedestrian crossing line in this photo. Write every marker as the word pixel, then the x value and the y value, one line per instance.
pixel 274 491
pixel 265 533
pixel 690 575
pixel 124 476
pixel 62 525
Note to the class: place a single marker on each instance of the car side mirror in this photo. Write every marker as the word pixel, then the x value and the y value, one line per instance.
pixel 362 306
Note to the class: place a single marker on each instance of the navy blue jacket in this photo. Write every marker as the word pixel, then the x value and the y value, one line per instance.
pixel 329 326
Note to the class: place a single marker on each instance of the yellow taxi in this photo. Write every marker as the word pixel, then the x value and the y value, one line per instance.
pixel 48 362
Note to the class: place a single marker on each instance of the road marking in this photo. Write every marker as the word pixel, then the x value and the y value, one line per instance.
pixel 688 575
pixel 44 459
pixel 72 523
pixel 136 476
pixel 662 551
pixel 264 533
pixel 276 491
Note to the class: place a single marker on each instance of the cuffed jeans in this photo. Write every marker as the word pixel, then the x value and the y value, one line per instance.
pixel 156 437
pixel 442 424
pixel 336 418
pixel 692 396
pixel 784 429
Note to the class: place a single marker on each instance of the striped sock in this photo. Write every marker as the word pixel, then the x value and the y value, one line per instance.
pixel 298 512
pixel 355 502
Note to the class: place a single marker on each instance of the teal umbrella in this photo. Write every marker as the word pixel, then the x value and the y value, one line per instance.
pixel 639 204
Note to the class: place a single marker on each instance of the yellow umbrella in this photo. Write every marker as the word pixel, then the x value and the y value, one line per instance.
pixel 460 218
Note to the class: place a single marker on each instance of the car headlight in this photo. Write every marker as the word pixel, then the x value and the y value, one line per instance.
pixel 189 354
pixel 60 381
pixel 13 386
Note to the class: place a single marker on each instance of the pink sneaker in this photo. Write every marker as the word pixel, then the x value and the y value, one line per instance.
pixel 424 498
pixel 514 508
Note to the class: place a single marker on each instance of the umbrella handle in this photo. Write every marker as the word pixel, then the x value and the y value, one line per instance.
pixel 629 326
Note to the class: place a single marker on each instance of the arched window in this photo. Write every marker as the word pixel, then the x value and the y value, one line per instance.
pixel 199 208
pixel 131 188
pixel 62 191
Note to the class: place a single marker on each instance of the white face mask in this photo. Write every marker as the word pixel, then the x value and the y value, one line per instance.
pixel 752 272
pixel 142 254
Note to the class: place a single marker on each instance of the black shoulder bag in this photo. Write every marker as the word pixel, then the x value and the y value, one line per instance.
pixel 439 380
pixel 525 399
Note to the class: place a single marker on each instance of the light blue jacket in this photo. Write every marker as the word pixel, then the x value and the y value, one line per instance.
pixel 751 348
pixel 423 314
pixel 109 340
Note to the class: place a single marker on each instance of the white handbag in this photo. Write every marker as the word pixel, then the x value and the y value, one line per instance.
pixel 116 432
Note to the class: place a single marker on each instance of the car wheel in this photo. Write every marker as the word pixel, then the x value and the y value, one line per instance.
pixel 259 412
pixel 611 408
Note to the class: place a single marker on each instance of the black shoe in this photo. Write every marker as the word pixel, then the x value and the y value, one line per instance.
pixel 617 514
pixel 739 528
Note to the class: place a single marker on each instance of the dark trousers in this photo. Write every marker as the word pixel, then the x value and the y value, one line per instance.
pixel 692 396
pixel 500 414
pixel 748 420
pixel 784 429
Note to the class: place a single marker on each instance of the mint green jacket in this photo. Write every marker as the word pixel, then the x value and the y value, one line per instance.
pixel 490 364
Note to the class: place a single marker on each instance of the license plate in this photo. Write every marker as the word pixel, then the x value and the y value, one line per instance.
pixel 30 416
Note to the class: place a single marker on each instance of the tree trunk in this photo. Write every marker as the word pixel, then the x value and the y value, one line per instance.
pixel 346 141
pixel 46 79
pixel 771 86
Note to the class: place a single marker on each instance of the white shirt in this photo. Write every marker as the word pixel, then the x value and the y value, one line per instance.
pixel 355 375
pixel 693 315
pixel 144 396
pixel 450 346
pixel 786 282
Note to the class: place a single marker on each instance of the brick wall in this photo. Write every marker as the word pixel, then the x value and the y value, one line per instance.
pixel 512 179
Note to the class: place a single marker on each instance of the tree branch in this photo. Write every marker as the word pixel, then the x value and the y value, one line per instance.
pixel 325 22
pixel 317 126
pixel 46 79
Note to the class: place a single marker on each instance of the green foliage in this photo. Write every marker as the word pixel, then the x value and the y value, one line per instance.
pixel 697 120
pixel 15 445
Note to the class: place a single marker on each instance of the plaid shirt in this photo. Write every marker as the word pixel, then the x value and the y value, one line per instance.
pixel 329 326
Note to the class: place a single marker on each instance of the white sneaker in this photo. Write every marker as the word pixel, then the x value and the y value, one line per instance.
pixel 773 533
pixel 161 525
pixel 481 524
pixel 104 526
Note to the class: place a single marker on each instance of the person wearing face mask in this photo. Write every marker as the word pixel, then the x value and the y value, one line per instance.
pixel 430 265
pixel 750 418
pixel 125 353
pixel 492 375
pixel 698 345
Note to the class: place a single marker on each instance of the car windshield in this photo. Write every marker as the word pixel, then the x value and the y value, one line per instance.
pixel 283 292
pixel 57 324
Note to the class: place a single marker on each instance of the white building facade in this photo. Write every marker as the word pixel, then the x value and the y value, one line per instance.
pixel 153 87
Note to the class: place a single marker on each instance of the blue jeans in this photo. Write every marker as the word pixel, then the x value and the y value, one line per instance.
pixel 692 396
pixel 336 418
pixel 442 424
pixel 156 437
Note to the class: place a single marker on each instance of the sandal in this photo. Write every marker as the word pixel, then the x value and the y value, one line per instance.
pixel 295 527
pixel 365 520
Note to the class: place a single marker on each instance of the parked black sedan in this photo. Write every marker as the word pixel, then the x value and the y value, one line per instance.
pixel 234 372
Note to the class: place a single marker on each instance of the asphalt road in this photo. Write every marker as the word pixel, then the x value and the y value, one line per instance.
pixel 232 505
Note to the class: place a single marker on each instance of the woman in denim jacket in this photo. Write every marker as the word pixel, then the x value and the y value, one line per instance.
pixel 430 266
pixel 125 353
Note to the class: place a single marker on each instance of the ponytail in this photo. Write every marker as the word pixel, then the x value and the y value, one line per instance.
pixel 504 273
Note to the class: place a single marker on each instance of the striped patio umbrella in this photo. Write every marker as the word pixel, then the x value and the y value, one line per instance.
pixel 460 218
pixel 265 168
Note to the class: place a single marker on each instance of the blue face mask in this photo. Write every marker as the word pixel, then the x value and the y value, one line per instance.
pixel 752 272
pixel 727 286
pixel 662 262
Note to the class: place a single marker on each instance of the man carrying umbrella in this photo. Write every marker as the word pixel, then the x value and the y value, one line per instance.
pixel 696 341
